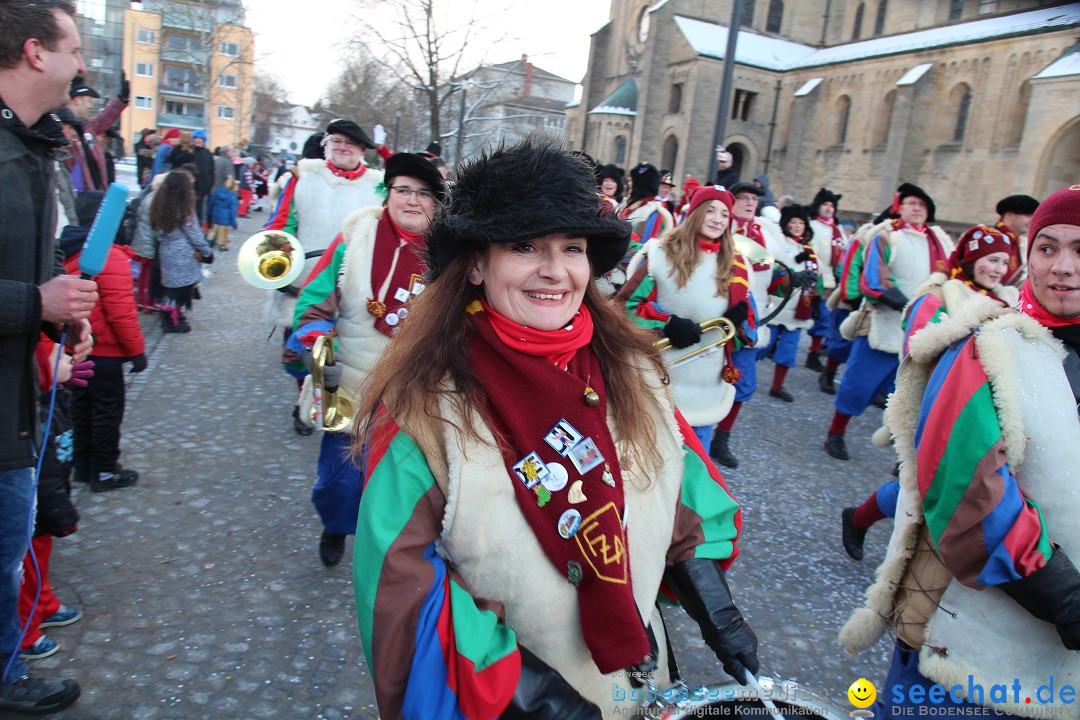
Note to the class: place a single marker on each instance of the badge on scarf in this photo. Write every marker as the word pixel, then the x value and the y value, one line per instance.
pixel 569 523
pixel 531 470
pixel 557 477
pixel 402 295
pixel 563 437
pixel 573 572
pixel 585 455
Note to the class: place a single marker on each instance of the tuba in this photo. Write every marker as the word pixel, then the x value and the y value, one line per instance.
pixel 270 259
pixel 329 411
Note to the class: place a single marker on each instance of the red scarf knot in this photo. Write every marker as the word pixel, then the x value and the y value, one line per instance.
pixel 557 346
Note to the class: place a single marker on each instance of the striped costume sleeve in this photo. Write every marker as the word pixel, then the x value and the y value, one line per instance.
pixel 284 215
pixel 876 275
pixel 434 652
pixel 640 295
pixel 985 530
pixel 924 310
pixel 851 272
pixel 318 299
pixel 708 519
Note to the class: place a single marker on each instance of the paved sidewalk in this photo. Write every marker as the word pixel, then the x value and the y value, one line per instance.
pixel 202 590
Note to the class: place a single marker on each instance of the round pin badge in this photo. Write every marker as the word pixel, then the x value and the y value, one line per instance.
pixel 569 523
pixel 556 478
pixel 392 319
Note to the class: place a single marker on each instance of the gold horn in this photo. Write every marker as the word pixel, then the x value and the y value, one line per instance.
pixel 330 411
pixel 720 324
pixel 270 259
pixel 752 250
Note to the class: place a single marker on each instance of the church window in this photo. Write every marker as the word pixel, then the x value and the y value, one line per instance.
pixel 747 16
pixel 675 101
pixel 740 109
pixel 843 108
pixel 956 9
pixel 670 154
pixel 775 17
pixel 856 30
pixel 962 111
pixel 879 22
pixel 620 150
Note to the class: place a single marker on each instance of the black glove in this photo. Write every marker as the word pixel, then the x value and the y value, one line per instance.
pixel 138 363
pixel 206 258
pixel 125 87
pixel 682 332
pixel 893 298
pixel 804 279
pixel 543 694
pixel 703 592
pixel 1052 594
pixel 803 256
pixel 738 313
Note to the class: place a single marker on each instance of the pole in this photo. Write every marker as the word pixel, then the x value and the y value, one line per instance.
pixel 461 126
pixel 772 125
pixel 725 84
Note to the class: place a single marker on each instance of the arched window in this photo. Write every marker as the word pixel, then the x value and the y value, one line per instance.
pixel 843 114
pixel 956 9
pixel 620 150
pixel 856 30
pixel 879 22
pixel 1019 116
pixel 775 17
pixel 670 153
pixel 962 110
pixel 675 101
pixel 884 120
pixel 747 17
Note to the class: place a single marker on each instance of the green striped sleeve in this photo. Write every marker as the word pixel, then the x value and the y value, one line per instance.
pixel 319 288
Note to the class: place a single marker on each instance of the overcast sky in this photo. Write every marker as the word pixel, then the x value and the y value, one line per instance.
pixel 553 33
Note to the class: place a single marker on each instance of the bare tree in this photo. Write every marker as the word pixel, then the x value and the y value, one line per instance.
pixel 271 106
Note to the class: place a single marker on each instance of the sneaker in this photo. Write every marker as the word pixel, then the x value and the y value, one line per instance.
pixel 43 648
pixel 119 479
pixel 835 446
pixel 782 394
pixel 852 535
pixel 64 616
pixel 38 696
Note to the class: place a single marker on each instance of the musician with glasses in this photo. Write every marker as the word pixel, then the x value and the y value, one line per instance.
pixel 529 482
pixel 361 288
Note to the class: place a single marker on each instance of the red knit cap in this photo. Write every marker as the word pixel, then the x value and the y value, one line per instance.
pixel 1061 208
pixel 979 241
pixel 689 187
pixel 705 193
pixel 172 134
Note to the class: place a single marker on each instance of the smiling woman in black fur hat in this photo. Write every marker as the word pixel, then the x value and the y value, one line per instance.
pixel 513 426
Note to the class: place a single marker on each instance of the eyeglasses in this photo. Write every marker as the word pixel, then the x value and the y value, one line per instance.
pixel 406 191
pixel 338 142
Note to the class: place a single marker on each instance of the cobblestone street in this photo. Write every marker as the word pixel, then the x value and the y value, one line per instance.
pixel 201 588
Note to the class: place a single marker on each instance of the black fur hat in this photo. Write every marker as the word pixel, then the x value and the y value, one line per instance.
pixel 910 190
pixel 644 182
pixel 313 149
pixel 519 192
pixel 823 196
pixel 1019 204
pixel 796 211
pixel 611 172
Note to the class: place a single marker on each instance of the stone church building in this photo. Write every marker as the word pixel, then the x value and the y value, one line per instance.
pixel 970 99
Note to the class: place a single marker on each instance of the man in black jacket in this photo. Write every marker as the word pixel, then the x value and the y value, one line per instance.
pixel 39 57
pixel 204 181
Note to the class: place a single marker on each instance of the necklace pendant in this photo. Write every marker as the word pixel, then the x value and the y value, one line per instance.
pixel 592 398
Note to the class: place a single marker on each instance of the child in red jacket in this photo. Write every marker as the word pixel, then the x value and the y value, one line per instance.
pixel 98 409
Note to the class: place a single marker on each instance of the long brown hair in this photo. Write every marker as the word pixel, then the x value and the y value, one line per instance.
pixel 682 249
pixel 173 202
pixel 427 360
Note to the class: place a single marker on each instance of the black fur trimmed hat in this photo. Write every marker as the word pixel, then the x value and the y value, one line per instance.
pixel 519 192
pixel 1019 204
pixel 823 196
pixel 795 211
pixel 646 180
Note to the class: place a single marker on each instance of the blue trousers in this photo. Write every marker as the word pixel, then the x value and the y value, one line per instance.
pixel 820 328
pixel 745 361
pixel 336 495
pixel 839 347
pixel 704 434
pixel 783 344
pixel 17 487
pixel 886 498
pixel 869 373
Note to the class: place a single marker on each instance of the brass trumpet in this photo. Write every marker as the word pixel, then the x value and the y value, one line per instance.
pixel 329 410
pixel 270 259
pixel 720 324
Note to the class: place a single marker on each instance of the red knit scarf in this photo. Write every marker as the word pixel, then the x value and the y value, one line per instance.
pixel 408 272
pixel 752 230
pixel 804 308
pixel 576 517
pixel 939 259
pixel 1015 260
pixel 738 291
pixel 1031 307
pixel 836 242
pixel 347 174
pixel 558 346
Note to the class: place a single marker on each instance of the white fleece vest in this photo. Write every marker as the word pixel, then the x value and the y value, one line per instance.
pixel 699 392
pixel 822 244
pixel 489 542
pixel 785 251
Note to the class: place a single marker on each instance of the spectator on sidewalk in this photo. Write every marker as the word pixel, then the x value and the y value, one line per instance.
pixel 182 247
pixel 89 153
pixel 204 181
pixel 164 150
pixel 144 155
pixel 223 209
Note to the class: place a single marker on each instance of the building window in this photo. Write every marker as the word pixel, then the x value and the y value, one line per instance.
pixel 675 102
pixel 175 107
pixel 747 16
pixel 144 69
pixel 183 43
pixel 884 120
pixel 670 154
pixel 962 111
pixel 226 112
pixel 856 30
pixel 986 7
pixel 620 150
pixel 843 108
pixel 227 81
pixel 775 17
pixel 740 109
pixel 230 48
pixel 144 102
pixel 181 80
pixel 879 22
pixel 145 37
pixel 956 9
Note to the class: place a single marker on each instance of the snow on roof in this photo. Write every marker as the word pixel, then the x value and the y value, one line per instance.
pixel 710 39
pixel 1067 64
pixel 808 87
pixel 912 76
pixel 623 101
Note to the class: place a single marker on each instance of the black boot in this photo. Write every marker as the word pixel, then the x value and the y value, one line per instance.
pixel 827 381
pixel 835 446
pixel 298 424
pixel 813 361
pixel 852 535
pixel 331 548
pixel 169 326
pixel 718 449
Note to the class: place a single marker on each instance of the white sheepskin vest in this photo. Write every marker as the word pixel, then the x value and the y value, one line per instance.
pixel 703 397
pixel 986 634
pixel 489 542
pixel 909 263
pixel 822 244
pixel 785 249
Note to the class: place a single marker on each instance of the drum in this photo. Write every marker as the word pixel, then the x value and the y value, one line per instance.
pixel 733 700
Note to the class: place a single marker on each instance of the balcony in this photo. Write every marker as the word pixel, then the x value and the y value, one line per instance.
pixel 191 55
pixel 186 122
pixel 182 89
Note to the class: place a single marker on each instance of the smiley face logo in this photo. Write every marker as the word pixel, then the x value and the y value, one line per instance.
pixel 862 693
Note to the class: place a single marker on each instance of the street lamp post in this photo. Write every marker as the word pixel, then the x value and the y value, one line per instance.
pixel 725 83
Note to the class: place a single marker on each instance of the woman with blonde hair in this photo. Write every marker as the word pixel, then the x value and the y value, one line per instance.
pixel 688 276
pixel 529 482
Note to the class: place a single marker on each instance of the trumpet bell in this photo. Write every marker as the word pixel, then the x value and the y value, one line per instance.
pixel 270 259
pixel 752 251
